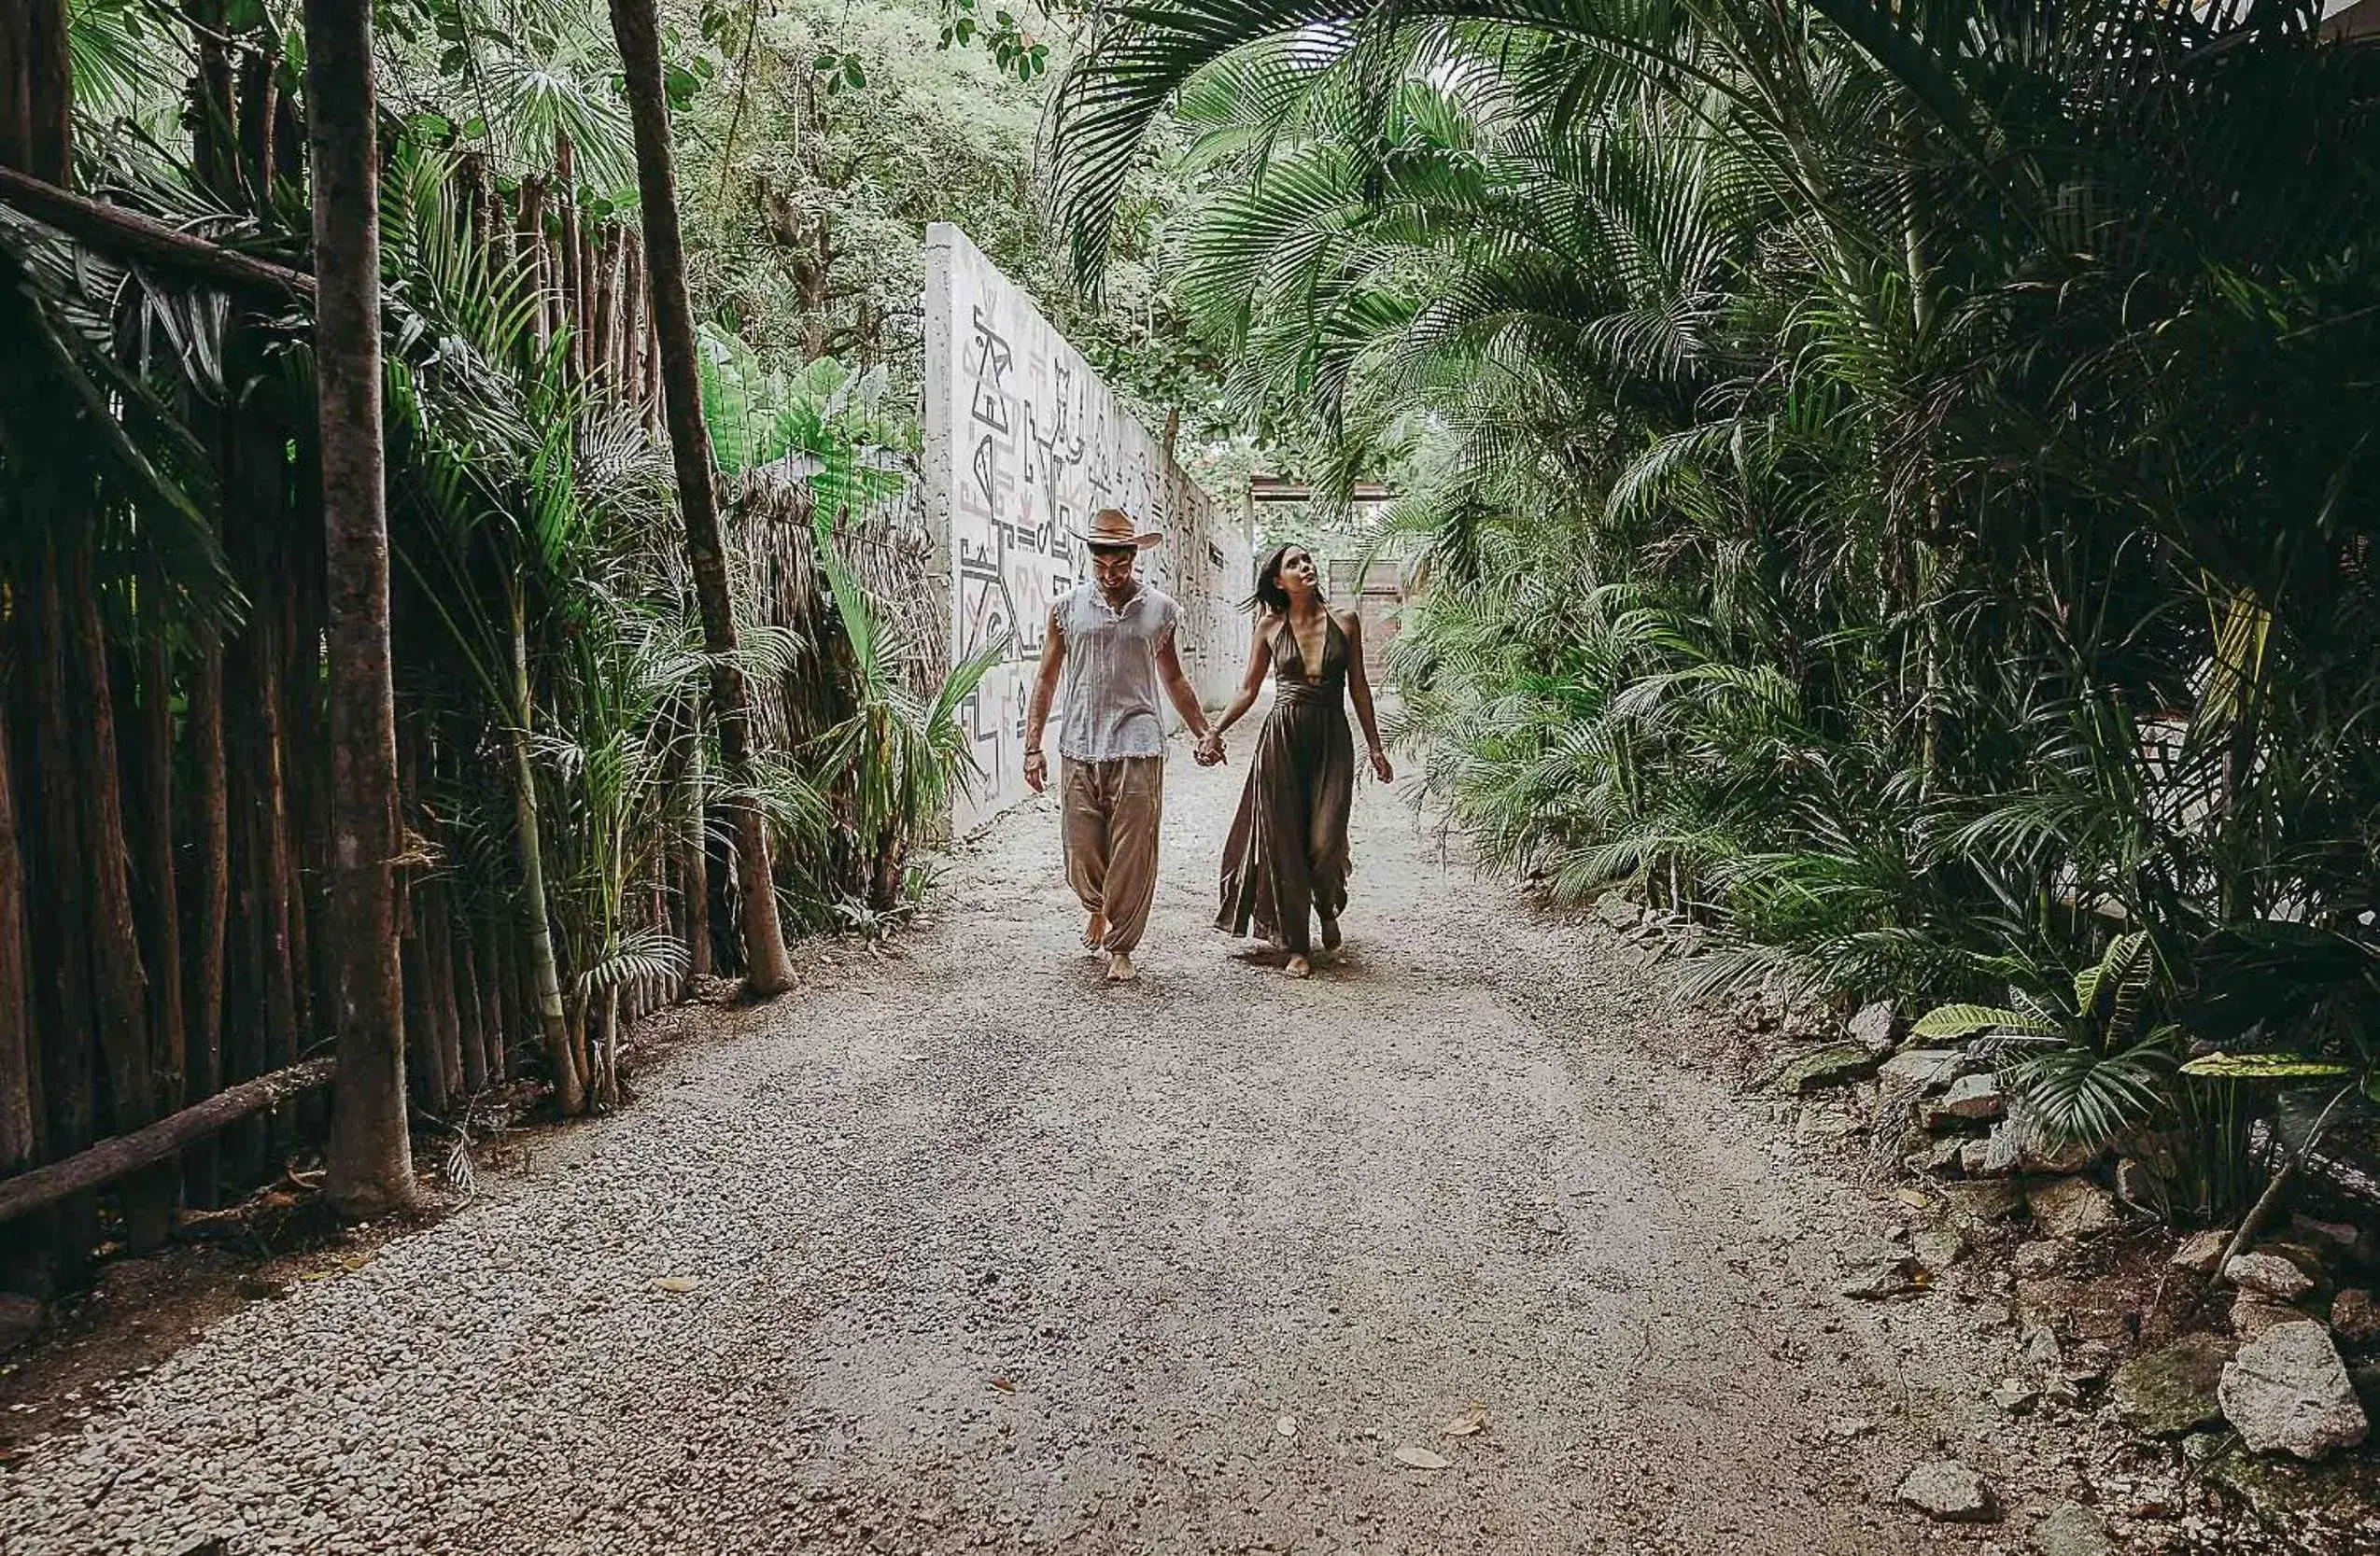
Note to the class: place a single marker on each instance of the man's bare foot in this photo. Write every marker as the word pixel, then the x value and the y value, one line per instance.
pixel 1094 931
pixel 1331 936
pixel 1120 968
pixel 1298 967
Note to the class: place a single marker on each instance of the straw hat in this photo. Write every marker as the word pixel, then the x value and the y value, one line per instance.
pixel 1112 526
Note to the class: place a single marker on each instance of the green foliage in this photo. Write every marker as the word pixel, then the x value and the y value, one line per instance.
pixel 1877 478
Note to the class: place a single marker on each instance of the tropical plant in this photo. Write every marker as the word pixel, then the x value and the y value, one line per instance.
pixel 1872 474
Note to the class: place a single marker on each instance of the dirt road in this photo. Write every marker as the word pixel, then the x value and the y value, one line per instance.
pixel 980 1253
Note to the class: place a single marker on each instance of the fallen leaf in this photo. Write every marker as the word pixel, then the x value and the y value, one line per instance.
pixel 1421 1458
pixel 1286 1427
pixel 675 1282
pixel 1470 1424
pixel 1004 1385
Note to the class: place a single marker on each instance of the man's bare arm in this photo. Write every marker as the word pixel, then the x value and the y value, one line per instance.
pixel 1045 692
pixel 1178 688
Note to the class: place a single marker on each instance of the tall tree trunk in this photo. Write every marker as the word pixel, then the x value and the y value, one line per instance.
pixel 63 1000
pixel 573 275
pixel 469 1009
pixel 495 992
pixel 633 327
pixel 606 310
pixel 161 936
pixel 694 870
pixel 531 256
pixel 19 1093
pixel 370 1161
pixel 569 1079
pixel 768 970
pixel 445 1017
pixel 209 900
pixel 119 981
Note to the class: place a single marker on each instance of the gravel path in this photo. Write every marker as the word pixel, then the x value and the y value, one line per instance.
pixel 987 1255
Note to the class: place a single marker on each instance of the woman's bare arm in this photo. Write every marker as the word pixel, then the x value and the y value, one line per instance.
pixel 1360 691
pixel 1259 660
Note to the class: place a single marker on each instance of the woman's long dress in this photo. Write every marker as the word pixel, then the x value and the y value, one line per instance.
pixel 1286 859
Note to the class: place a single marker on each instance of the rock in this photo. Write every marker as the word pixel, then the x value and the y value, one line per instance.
pixel 2268 1273
pixel 1829 1065
pixel 1846 1428
pixel 2338 1236
pixel 1876 1269
pixel 2135 1186
pixel 2288 1390
pixel 2355 1318
pixel 1617 911
pixel 1974 1206
pixel 2016 1398
pixel 1818 1121
pixel 19 1319
pixel 2201 1252
pixel 2364 1378
pixel 1689 941
pixel 1948 1492
pixel 2071 1530
pixel 2253 1312
pixel 1876 1026
pixel 2042 1348
pixel 2166 1392
pixel 2074 1209
pixel 1940 1245
pixel 1975 1159
pixel 1927 1069
pixel 2040 1257
pixel 1976 1097
pixel 1939 1159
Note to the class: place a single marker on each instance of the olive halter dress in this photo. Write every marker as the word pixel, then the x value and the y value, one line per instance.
pixel 1286 859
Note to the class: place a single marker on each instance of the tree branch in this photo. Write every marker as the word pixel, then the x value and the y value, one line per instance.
pixel 127 234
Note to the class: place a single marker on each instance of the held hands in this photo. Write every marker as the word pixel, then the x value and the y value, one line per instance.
pixel 1209 751
pixel 1380 768
pixel 1037 771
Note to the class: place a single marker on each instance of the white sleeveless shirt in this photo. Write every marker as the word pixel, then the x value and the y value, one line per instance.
pixel 1109 704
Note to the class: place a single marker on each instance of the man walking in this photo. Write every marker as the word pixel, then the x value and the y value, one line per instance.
pixel 1111 641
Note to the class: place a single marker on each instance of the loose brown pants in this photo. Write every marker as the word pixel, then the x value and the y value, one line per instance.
pixel 1111 812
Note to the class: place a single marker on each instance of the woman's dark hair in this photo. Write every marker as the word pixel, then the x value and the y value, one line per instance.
pixel 1268 593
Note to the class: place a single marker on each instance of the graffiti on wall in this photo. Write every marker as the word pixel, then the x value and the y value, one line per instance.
pixel 1024 442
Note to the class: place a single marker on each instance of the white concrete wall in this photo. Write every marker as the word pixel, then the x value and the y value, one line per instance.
pixel 1023 443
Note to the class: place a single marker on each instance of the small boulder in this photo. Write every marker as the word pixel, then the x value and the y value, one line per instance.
pixel 19 1319
pixel 2166 1392
pixel 1940 1245
pixel 1977 1205
pixel 1926 1068
pixel 1831 1064
pixel 2201 1252
pixel 1617 911
pixel 2269 1274
pixel 1939 1159
pixel 2338 1236
pixel 1972 1097
pixel 2072 1530
pixel 1874 1270
pixel 2253 1312
pixel 2074 1209
pixel 1876 1026
pixel 1975 1159
pixel 2355 1318
pixel 2288 1390
pixel 2016 1398
pixel 1948 1492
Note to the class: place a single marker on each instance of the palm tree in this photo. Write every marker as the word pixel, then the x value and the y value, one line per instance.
pixel 767 969
pixel 370 1160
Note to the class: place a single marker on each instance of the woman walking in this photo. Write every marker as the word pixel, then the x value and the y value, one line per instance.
pixel 1286 864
